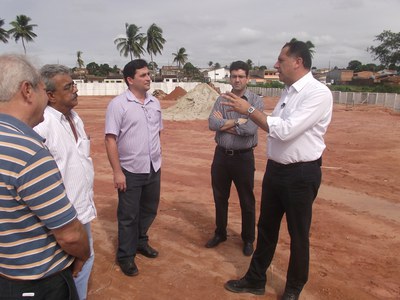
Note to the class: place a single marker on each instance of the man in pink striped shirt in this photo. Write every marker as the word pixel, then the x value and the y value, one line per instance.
pixel 132 139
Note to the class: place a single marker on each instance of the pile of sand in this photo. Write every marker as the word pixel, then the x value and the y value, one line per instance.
pixel 177 93
pixel 196 104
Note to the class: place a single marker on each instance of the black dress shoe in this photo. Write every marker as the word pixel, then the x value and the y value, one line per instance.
pixel 290 296
pixel 248 249
pixel 215 241
pixel 129 268
pixel 147 251
pixel 244 286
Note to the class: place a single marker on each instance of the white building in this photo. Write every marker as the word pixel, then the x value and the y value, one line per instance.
pixel 220 74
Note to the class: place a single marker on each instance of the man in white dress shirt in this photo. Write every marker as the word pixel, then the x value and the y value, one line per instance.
pixel 295 129
pixel 68 142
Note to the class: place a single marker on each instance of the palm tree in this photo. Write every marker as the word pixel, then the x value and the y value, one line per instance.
pixel 132 43
pixel 22 30
pixel 79 60
pixel 309 45
pixel 155 40
pixel 249 62
pixel 180 57
pixel 3 33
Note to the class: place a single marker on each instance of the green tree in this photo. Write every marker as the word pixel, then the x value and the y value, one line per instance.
pixel 132 43
pixel 388 52
pixel 153 66
pixel 192 73
pixel 79 60
pixel 92 68
pixel 210 63
pixel 180 57
pixel 3 33
pixel 217 65
pixel 21 29
pixel 354 65
pixel 309 45
pixel 249 62
pixel 155 40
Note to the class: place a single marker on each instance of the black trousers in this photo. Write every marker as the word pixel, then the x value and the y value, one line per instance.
pixel 137 209
pixel 239 169
pixel 59 286
pixel 289 190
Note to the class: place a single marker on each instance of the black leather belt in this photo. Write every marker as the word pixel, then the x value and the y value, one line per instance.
pixel 233 152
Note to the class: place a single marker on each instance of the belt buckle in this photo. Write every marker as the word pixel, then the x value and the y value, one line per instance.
pixel 230 152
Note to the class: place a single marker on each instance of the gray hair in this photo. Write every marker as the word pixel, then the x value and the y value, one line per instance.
pixel 48 72
pixel 14 70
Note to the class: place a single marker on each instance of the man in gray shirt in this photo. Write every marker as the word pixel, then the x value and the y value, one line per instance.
pixel 236 137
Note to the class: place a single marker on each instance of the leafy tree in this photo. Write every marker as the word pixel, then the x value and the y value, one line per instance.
pixel 92 68
pixel 309 45
pixel 354 65
pixel 191 72
pixel 180 57
pixel 155 40
pixel 79 60
pixel 21 29
pixel 388 52
pixel 210 63
pixel 132 43
pixel 3 33
pixel 249 62
pixel 153 66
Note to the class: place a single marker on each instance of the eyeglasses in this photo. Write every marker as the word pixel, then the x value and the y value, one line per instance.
pixel 70 86
pixel 238 76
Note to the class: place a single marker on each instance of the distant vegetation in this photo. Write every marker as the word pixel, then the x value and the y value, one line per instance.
pixel 366 89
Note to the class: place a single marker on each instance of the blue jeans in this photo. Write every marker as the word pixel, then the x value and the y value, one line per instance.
pixel 82 280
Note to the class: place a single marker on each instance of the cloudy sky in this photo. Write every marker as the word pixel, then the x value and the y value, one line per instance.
pixel 211 30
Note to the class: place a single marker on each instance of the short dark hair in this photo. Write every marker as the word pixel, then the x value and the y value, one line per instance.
pixel 300 49
pixel 239 65
pixel 131 67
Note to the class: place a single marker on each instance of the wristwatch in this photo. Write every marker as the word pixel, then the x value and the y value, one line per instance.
pixel 250 110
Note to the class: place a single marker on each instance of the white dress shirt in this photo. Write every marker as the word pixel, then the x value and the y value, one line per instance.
pixel 72 157
pixel 299 121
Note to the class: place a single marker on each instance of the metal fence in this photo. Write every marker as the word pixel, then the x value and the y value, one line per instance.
pixel 388 100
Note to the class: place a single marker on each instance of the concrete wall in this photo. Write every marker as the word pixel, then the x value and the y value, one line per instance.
pixel 388 100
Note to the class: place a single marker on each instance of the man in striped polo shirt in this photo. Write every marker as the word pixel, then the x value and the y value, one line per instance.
pixel 42 243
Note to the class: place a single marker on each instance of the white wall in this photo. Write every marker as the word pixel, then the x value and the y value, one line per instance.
pixel 113 89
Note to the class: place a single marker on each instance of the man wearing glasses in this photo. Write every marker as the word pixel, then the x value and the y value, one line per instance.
pixel 236 137
pixel 69 144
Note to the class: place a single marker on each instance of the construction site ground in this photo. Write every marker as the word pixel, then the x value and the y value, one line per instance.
pixel 355 237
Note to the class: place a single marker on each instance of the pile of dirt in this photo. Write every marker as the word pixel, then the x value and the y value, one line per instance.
pixel 159 94
pixel 177 93
pixel 196 104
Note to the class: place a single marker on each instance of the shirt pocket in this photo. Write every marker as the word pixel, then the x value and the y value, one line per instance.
pixel 85 147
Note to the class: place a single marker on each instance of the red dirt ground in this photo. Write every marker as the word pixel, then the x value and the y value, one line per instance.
pixel 356 223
